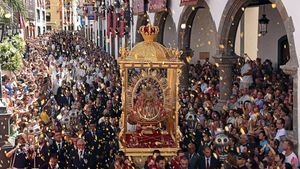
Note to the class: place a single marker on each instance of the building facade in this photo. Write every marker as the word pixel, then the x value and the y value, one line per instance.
pixel 54 15
pixel 62 15
pixel 40 17
pixel 35 23
pixel 108 24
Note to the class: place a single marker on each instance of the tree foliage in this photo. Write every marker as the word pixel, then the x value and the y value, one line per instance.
pixel 11 53
pixel 9 6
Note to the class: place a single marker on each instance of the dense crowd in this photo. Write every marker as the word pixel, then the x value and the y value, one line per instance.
pixel 66 105
pixel 255 119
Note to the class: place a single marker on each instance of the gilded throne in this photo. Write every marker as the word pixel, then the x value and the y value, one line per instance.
pixel 150 76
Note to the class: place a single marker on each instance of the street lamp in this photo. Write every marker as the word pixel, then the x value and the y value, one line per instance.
pixel 1 30
pixel 263 23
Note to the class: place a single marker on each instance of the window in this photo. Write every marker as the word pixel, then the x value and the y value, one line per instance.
pixel 49 28
pixel 43 16
pixel 48 17
pixel 38 14
pixel 39 30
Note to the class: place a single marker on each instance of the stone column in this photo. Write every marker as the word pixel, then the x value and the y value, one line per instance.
pixel 4 133
pixel 225 65
pixel 184 80
pixel 292 70
pixel 4 126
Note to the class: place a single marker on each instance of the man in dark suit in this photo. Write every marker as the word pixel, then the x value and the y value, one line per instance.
pixel 65 99
pixel 86 117
pixel 208 161
pixel 43 153
pixel 193 156
pixel 92 143
pixel 90 137
pixel 59 147
pixel 52 164
pixel 80 159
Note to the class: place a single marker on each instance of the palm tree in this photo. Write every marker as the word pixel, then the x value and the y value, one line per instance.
pixel 16 5
pixel 10 6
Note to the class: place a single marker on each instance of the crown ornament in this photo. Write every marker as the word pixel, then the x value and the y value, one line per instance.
pixel 149 32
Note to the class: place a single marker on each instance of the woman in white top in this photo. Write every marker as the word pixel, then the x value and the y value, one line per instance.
pixel 246 75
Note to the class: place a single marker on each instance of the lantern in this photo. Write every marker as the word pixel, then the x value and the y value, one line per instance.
pixel 263 23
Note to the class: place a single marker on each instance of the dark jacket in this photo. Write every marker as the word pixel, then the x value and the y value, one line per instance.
pixel 214 163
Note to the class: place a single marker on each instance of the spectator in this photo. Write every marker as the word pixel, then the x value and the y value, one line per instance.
pixel 160 163
pixel 208 161
pixel 175 162
pixel 184 163
pixel 290 156
pixel 150 162
pixel 192 155
pixel 281 133
pixel 53 164
pixel 20 154
pixel 241 161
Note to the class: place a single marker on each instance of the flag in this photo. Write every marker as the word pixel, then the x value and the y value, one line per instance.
pixel 108 23
pixel 114 25
pixel 157 5
pixel 122 23
pixel 138 7
pixel 21 22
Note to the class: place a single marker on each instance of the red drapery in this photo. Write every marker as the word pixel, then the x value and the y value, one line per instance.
pixel 138 7
pixel 122 23
pixel 188 2
pixel 108 23
pixel 114 25
pixel 157 5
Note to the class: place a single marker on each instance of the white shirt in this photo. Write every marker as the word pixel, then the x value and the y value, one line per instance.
pixel 80 155
pixel 280 133
pixel 53 47
pixel 207 160
pixel 291 159
pixel 59 146
pixel 246 78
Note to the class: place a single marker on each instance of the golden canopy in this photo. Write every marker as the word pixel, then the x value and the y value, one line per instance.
pixel 149 50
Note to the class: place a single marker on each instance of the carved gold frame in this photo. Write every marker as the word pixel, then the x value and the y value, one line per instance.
pixel 171 99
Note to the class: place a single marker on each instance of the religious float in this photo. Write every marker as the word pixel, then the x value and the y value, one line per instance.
pixel 150 78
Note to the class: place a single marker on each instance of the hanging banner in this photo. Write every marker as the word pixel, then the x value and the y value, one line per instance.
pixel 102 13
pixel 114 25
pixel 188 2
pixel 122 23
pixel 157 5
pixel 138 7
pixel 108 24
pixel 91 13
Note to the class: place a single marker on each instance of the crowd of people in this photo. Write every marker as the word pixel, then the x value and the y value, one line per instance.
pixel 255 119
pixel 66 105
